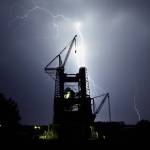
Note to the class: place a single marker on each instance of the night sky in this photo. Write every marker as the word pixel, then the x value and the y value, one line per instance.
pixel 116 36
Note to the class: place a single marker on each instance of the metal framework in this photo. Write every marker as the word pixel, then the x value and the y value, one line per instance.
pixel 73 107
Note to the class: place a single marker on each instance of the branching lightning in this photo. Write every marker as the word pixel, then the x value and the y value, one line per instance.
pixel 135 106
pixel 96 89
pixel 80 54
pixel 47 11
pixel 136 110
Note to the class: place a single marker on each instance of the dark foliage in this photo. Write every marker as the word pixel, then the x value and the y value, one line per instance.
pixel 9 113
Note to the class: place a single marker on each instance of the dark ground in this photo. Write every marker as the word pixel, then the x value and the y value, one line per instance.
pixel 114 133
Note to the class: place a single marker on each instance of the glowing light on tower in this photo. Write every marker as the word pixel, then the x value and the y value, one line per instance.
pixel 80 53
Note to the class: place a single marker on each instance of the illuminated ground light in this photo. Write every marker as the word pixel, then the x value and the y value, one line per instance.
pixel 48 135
pixel 104 137
pixel 94 133
pixel 37 127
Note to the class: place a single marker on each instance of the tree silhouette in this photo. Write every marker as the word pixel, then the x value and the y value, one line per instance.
pixel 9 113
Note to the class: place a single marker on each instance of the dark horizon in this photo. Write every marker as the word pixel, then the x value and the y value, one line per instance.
pixel 116 53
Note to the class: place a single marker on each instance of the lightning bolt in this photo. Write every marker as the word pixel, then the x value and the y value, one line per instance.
pixel 80 55
pixel 136 109
pixel 96 89
pixel 55 18
pixel 134 100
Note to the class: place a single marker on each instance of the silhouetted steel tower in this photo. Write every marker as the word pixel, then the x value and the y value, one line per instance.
pixel 72 101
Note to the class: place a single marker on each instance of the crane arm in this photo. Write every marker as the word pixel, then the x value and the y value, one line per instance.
pixel 51 70
pixel 102 103
pixel 69 50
